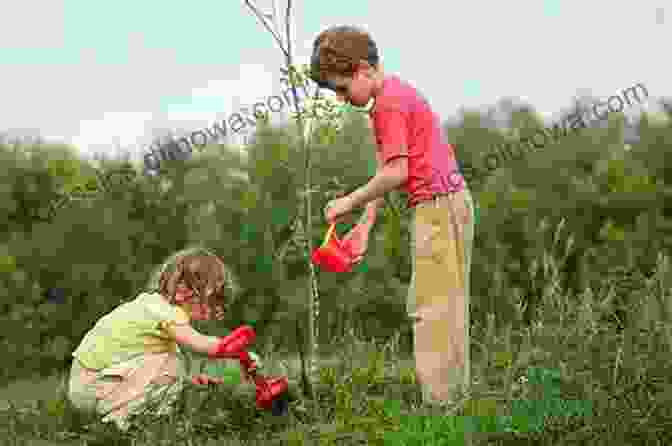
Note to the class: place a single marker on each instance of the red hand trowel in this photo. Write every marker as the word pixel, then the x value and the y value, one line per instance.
pixel 334 255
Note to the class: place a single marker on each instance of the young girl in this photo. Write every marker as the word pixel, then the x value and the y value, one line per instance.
pixel 411 154
pixel 131 358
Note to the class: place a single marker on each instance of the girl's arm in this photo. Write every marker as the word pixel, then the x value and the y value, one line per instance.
pixel 213 346
pixel 187 336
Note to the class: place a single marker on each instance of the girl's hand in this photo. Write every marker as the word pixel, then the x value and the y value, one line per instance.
pixel 204 380
pixel 245 376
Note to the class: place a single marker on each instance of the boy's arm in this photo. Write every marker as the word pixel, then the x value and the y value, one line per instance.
pixel 391 177
pixel 390 128
pixel 368 218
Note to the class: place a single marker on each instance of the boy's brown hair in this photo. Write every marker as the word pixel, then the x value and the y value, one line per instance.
pixel 339 50
pixel 201 271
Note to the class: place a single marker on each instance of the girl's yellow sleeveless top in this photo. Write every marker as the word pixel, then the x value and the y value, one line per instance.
pixel 132 329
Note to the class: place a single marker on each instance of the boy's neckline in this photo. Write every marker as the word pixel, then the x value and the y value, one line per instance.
pixel 386 79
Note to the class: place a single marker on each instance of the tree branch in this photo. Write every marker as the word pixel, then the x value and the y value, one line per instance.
pixel 263 22
pixel 287 27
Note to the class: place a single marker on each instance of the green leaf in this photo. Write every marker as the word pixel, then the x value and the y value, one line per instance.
pixel 361 268
pixel 281 216
pixel 7 263
pixel 392 231
pixel 250 198
pixel 477 212
pixel 246 232
pixel 265 264
pixel 372 166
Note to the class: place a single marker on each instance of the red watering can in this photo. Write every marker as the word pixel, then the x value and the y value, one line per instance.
pixel 271 392
pixel 334 254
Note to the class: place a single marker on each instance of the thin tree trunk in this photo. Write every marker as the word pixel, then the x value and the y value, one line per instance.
pixel 306 133
pixel 313 303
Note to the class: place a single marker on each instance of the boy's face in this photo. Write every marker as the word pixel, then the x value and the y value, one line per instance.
pixel 355 90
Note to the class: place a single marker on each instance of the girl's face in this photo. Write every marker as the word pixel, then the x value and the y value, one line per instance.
pixel 198 311
pixel 203 312
pixel 356 90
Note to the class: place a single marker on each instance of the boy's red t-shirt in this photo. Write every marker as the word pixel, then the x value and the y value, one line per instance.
pixel 405 125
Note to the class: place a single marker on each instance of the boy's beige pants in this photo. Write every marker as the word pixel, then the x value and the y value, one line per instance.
pixel 442 233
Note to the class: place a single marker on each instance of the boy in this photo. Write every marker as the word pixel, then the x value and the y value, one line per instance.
pixel 412 155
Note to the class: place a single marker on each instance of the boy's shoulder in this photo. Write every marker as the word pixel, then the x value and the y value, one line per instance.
pixel 398 95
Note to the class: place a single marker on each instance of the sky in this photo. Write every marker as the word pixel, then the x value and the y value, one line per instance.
pixel 97 74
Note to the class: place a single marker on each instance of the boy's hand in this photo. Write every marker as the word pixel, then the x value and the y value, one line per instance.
pixel 338 208
pixel 357 241
pixel 204 380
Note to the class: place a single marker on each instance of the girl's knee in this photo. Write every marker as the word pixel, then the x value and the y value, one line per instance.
pixel 165 379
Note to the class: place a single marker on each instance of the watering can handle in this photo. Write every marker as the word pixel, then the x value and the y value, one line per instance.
pixel 329 234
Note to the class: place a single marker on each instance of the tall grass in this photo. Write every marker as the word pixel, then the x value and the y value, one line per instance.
pixel 574 355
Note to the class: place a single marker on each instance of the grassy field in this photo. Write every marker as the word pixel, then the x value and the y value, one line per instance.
pixel 568 380
pixel 574 377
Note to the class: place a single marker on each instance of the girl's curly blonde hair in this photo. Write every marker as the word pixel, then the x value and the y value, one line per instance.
pixel 201 271
pixel 339 50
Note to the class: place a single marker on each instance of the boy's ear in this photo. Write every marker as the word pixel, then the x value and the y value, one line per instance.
pixel 363 66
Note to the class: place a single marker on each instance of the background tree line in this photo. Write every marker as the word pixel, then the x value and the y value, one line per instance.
pixel 602 211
